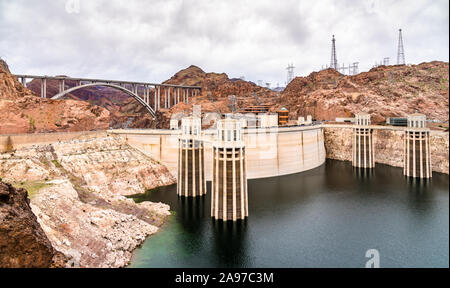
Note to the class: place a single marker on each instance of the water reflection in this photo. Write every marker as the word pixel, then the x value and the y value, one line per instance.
pixel 363 174
pixel 420 193
pixel 191 210
pixel 337 179
pixel 419 186
pixel 229 243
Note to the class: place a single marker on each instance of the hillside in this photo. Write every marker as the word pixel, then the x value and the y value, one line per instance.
pixel 385 91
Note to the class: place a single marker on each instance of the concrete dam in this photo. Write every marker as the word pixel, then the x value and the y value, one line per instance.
pixel 270 152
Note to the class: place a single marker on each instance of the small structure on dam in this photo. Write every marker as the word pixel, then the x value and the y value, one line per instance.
pixel 191 159
pixel 267 120
pixel 229 198
pixel 283 117
pixel 363 148
pixel 417 155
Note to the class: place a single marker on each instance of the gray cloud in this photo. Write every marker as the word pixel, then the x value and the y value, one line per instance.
pixel 151 40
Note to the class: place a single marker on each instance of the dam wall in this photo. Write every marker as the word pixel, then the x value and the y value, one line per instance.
pixel 389 145
pixel 270 152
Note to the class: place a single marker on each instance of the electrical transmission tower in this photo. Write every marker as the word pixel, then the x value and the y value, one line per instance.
pixel 401 52
pixel 355 68
pixel 290 73
pixel 334 63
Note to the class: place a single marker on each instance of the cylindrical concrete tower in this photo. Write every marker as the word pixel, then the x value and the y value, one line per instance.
pixel 229 198
pixel 363 148
pixel 417 155
pixel 191 159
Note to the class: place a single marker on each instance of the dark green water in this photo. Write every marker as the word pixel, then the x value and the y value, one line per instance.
pixel 326 217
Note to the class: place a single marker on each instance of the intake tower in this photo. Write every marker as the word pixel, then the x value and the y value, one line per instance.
pixel 191 159
pixel 363 152
pixel 417 155
pixel 229 199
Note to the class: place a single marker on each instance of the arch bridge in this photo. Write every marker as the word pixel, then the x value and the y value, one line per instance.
pixel 150 95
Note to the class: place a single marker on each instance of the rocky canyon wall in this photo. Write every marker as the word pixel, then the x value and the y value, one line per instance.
pixel 23 243
pixel 388 146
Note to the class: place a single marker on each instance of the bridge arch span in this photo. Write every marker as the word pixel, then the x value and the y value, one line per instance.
pixel 130 93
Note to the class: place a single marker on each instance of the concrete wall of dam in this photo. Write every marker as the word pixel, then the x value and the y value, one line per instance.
pixel 270 152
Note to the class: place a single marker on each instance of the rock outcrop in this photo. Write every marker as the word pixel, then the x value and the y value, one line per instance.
pixel 80 201
pixel 23 243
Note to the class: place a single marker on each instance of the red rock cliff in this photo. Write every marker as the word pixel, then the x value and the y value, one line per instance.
pixel 23 243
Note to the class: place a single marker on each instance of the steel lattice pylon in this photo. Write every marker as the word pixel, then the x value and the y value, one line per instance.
pixel 401 51
pixel 290 73
pixel 334 63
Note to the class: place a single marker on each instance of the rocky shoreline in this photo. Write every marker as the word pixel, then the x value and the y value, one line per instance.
pixel 77 190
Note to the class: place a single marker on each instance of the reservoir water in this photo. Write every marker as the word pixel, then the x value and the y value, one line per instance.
pixel 326 217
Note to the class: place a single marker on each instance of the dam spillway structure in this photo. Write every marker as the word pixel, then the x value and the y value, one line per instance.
pixel 363 147
pixel 417 155
pixel 191 159
pixel 229 197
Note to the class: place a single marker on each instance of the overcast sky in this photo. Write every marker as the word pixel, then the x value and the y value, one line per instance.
pixel 151 40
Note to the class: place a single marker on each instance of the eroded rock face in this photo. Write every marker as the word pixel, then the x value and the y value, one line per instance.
pixel 23 243
pixel 91 235
pixel 82 207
